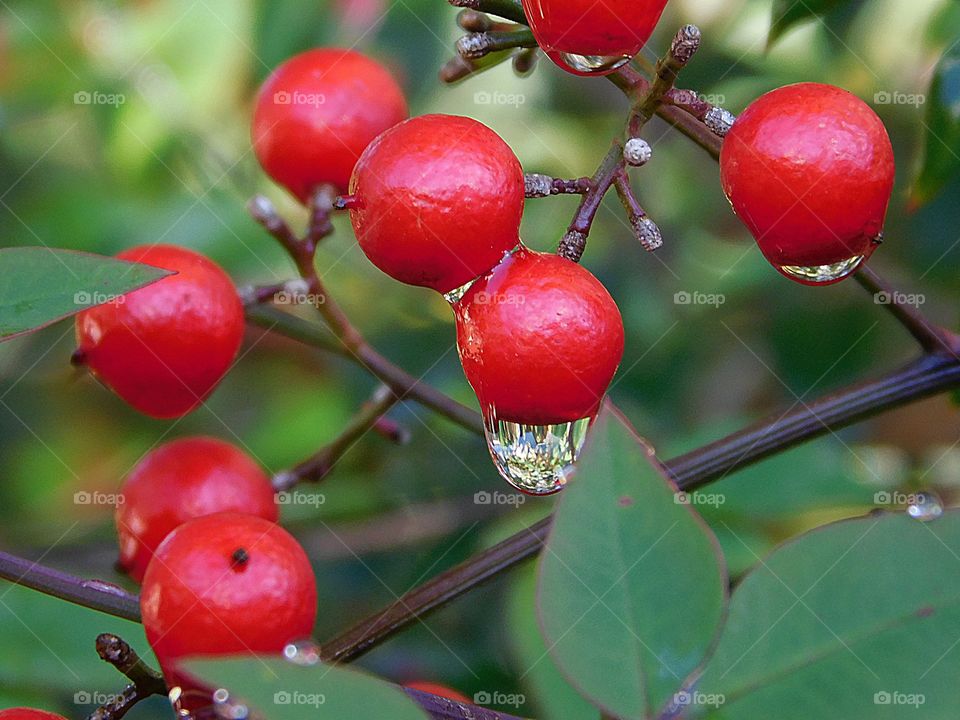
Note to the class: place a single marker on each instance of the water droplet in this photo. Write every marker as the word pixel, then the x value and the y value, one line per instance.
pixel 453 297
pixel 535 459
pixel 822 273
pixel 226 708
pixel 302 652
pixel 925 506
pixel 589 64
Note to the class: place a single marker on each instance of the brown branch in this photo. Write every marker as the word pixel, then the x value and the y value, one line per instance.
pixel 145 681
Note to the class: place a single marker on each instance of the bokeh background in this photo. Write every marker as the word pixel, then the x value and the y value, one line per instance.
pixel 169 160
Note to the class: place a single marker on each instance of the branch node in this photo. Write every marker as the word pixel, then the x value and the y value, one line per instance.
pixel 719 121
pixel 685 44
pixel 525 61
pixel 572 245
pixel 647 232
pixel 537 185
pixel 473 46
pixel 474 20
pixel 637 152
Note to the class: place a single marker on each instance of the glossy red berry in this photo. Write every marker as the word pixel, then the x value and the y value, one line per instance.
pixel 437 201
pixel 540 340
pixel 23 713
pixel 587 37
pixel 809 169
pixel 163 348
pixel 181 480
pixel 317 112
pixel 438 690
pixel 226 584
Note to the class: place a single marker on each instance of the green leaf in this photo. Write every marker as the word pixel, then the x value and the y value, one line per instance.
pixel 279 690
pixel 854 620
pixel 941 155
pixel 787 13
pixel 39 285
pixel 632 585
pixel 551 694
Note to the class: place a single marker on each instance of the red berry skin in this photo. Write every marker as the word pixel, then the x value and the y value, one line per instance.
pixel 23 713
pixel 166 346
pixel 540 339
pixel 437 201
pixel 317 112
pixel 585 27
pixel 201 597
pixel 809 169
pixel 438 690
pixel 181 480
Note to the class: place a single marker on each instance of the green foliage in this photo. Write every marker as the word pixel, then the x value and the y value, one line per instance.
pixel 43 285
pixel 941 159
pixel 632 586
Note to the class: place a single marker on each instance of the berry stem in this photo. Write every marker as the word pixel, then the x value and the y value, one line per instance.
pixel 645 229
pixel 574 242
pixel 320 464
pixel 930 337
pixel 473 46
pixel 145 680
pixel 509 9
pixel 537 185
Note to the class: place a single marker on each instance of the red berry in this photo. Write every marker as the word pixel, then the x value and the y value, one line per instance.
pixel 226 584
pixel 163 348
pixel 438 690
pixel 437 201
pixel 317 112
pixel 23 713
pixel 182 480
pixel 809 169
pixel 587 37
pixel 540 340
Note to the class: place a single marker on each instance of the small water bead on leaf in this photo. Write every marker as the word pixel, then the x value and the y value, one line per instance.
pixel 925 506
pixel 302 652
pixel 535 459
pixel 228 709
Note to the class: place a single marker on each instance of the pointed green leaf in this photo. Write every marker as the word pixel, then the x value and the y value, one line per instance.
pixel 39 285
pixel 632 585
pixel 787 13
pixel 279 690
pixel 941 155
pixel 855 620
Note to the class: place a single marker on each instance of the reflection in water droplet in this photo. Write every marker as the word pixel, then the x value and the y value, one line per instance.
pixel 302 652
pixel 535 459
pixel 589 64
pixel 925 506
pixel 823 273
pixel 453 297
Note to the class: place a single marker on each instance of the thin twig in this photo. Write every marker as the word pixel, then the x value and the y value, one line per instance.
pixel 509 9
pixel 145 680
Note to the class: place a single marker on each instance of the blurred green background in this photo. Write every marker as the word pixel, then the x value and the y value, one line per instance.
pixel 172 163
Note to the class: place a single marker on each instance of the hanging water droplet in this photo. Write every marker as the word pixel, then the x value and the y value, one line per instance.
pixel 589 64
pixel 823 273
pixel 453 297
pixel 925 505
pixel 535 459
pixel 302 652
